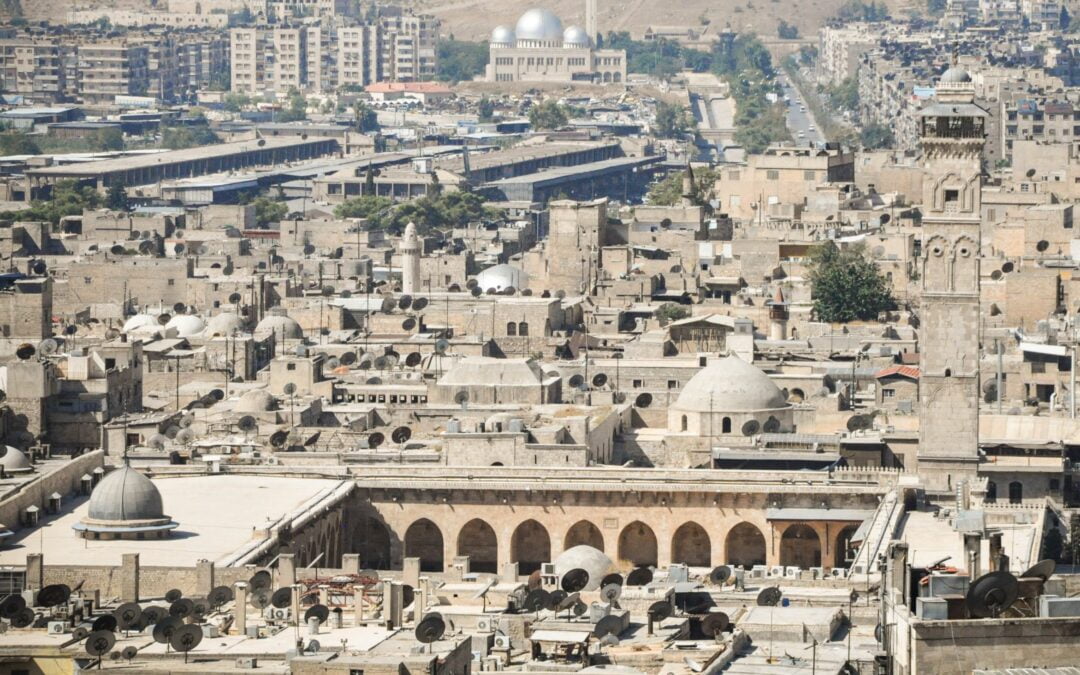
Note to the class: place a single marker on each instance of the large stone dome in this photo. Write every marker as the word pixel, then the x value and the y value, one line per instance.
pixel 256 401
pixel 955 75
pixel 730 384
pixel 502 35
pixel 280 325
pixel 140 321
pixel 539 24
pixel 575 36
pixel 186 325
pixel 224 324
pixel 124 495
pixel 501 277
pixel 15 461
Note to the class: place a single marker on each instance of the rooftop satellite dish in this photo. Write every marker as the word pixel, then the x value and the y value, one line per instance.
pixel 163 319
pixel 281 598
pixel 365 362
pixel 347 359
pixel 260 598
pixel 643 400
pixel 309 249
pixel 575 580
pixel 1042 245
pixel 279 438
pixel 53 595
pixel 408 324
pixel 612 578
pixel 261 580
pixel 117 249
pixel 611 593
pixel 1044 569
pixel 112 334
pixel 375 439
pixel 991 594
pixel 129 652
pixel 419 304
pixel 536 600
pixel 430 628
pixel 769 597
pixel 186 421
pixel 185 638
pixel 639 576
pixel 413 359
pixel 179 308
pixel 660 610
pixel 609 625
pixel 381 363
pixel 405 302
pixel 247 423
pixel 388 305
pixel 181 608
pixel 453 288
pixel 462 397
pixel 1008 267
pixel 534 581
pixel 39 267
pixel 599 379
pixel 576 381
pixel 105 622
pixel 146 247
pixel 25 351
pixel 178 234
pixel 771 426
pixel 860 422
pixel 289 388
pixel 152 615
pixel 996 275
pixel 476 292
pixel 312 647
pixel 471 284
pixel 401 435
pixel 127 615
pixel 173 595
pixel 554 599
pixel 11 605
pixel 179 248
pixel 185 436
pixel 100 642
pixel 320 612
pixel 441 345
pixel 715 623
pixel 23 618
pixel 509 290
pixel 750 427
pixel 373 380
pixel 720 574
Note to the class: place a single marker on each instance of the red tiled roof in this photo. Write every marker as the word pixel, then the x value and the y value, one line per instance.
pixel 903 371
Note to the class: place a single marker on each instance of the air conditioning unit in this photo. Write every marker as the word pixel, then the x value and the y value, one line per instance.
pixel 247 662
pixel 276 614
pixel 547 569
pixel 57 627
pixel 486 625
pixel 502 642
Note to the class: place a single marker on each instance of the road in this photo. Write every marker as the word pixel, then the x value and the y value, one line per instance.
pixel 800 120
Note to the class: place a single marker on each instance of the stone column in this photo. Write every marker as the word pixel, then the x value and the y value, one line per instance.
pixel 240 609
pixel 410 573
pixel 204 577
pixel 35 571
pixel 286 570
pixel 358 605
pixel 663 548
pixel 129 577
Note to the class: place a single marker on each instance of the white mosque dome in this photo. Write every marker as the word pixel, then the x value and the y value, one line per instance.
pixel 501 277
pixel 256 401
pixel 955 75
pixel 15 461
pixel 539 24
pixel 575 36
pixel 221 325
pixel 502 35
pixel 730 385
pixel 186 325
pixel 140 321
pixel 281 325
pixel 592 560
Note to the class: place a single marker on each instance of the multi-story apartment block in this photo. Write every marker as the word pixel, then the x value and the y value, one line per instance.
pixel 32 68
pixel 110 69
pixel 248 60
pixel 358 52
pixel 1043 121
pixel 840 50
pixel 283 10
pixel 408 47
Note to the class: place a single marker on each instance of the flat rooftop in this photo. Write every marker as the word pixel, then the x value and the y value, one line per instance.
pixel 196 503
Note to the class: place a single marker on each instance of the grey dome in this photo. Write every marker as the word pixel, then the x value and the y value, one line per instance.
pixel 502 35
pixel 539 24
pixel 730 385
pixel 575 36
pixel 224 324
pixel 15 461
pixel 591 559
pixel 955 75
pixel 125 495
pixel 279 325
pixel 501 277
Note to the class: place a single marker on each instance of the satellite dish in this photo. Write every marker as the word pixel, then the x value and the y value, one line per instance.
pixel 174 595
pixel 11 605
pixel 991 594
pixel 105 622
pixel 185 638
pixel 1008 267
pixel 413 359
pixel 289 388
pixel 639 576
pixel 259 598
pixel 769 597
pixel 200 607
pixel 375 440
pixel 164 629
pixel 279 438
pixel 441 345
pixel 612 578
pixel 129 652
pixel 181 608
pixel 39 267
pixel 609 625
pixel 100 642
pixel 536 600
pixel 575 580
pixel 419 304
pixel 771 426
pixel 373 380
pixel 534 581
pixel 163 319
pixel 560 294
pixel 381 363
pixel 401 435
pixel 387 305
pixel 996 275
pixel 261 580
pixel 247 423
pixel 127 615
pixel 1044 569
pixel 348 358
pixel 25 351
pixel 1042 245
pixel 281 598
pixel 430 628
pixel 117 249
pixel 178 234
pixel 715 623
pixel 309 249
pixel 408 324
pixel 405 302
pixel 611 593
pixel 660 610
pixel 750 427
pixel 153 614
pixel 476 292
pixel 860 422
pixel 599 379
pixel 23 618
pixel 555 598
pixel 53 595
pixel 576 381
pixel 320 612
pixel 146 247
pixel 720 574
pixel 313 647
pixel 643 400
pixel 579 608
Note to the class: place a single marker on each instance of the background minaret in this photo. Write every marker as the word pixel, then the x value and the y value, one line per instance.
pixel 410 260
pixel 952 135
pixel 590 19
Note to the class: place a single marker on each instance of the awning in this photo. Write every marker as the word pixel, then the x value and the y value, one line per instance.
pixel 1049 350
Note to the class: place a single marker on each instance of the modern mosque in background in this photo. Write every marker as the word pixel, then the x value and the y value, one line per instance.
pixel 538 49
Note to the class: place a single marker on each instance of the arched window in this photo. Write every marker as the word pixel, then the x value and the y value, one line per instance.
pixel 948 372
pixel 684 423
pixel 523 328
pixel 1016 492
pixel 991 492
pixel 511 329
pixel 725 425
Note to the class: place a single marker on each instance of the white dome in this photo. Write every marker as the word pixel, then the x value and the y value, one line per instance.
pixel 592 560
pixel 955 75
pixel 256 401
pixel 539 24
pixel 280 325
pixel 186 325
pixel 502 35
pixel 575 36
pixel 226 323
pixel 15 461
pixel 140 321
pixel 730 385
pixel 501 277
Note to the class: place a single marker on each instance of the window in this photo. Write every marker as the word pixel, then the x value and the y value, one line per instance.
pixel 672 384
pixel 725 425
pixel 684 424
pixel 809 174
pixel 511 329
pixel 772 174
pixel 523 329
pixel 952 196
pixel 1055 484
pixel 637 384
pixel 290 366
pixel 991 492
pixel 1016 492
pixel 888 393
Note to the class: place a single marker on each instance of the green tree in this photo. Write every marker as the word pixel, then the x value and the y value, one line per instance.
pixel 368 206
pixel 117 197
pixel 17 143
pixel 369 181
pixel 672 121
pixel 235 102
pixel 1053 546
pixel 787 31
pixel 485 109
pixel 670 311
pixel 365 119
pixel 669 191
pixel 460 60
pixel 109 139
pixel 847 285
pixel 180 137
pixel 844 95
pixel 68 198
pixel 548 115
pixel 268 211
pixel 296 109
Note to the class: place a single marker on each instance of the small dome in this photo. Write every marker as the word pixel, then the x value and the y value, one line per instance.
pixel 15 461
pixel 575 36
pixel 501 277
pixel 224 324
pixel 256 401
pixel 140 321
pixel 125 495
pixel 539 24
pixel 502 35
pixel 730 385
pixel 281 326
pixel 955 75
pixel 186 325
pixel 591 559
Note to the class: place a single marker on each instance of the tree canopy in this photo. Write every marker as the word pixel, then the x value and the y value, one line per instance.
pixel 549 115
pixel 668 192
pixel 269 210
pixel 435 211
pixel 68 199
pixel 847 285
pixel 670 311
pixel 460 60
pixel 17 143
pixel 672 121
pixel 117 197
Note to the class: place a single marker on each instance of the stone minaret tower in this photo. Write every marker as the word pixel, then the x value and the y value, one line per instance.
pixel 778 316
pixel 590 20
pixel 952 130
pixel 410 260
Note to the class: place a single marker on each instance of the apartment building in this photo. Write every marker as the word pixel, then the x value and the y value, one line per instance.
pixel 408 47
pixel 1043 121
pixel 358 56
pixel 112 68
pixel 248 60
pixel 33 69
pixel 840 50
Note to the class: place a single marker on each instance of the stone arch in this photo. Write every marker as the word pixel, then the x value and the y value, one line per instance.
pixel 797 395
pixel 965 255
pixel 478 541
pixel 684 423
pixel 372 542
pixel 584 533
pixel 530 546
pixel 725 425
pixel 523 329
pixel 800 546
pixel 637 545
pixel 935 262
pixel 511 328
pixel 424 540
pixel 745 545
pixel 844 549
pixel 691 545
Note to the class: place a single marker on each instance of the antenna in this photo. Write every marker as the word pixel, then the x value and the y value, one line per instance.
pixel 185 638
pixel 100 642
pixel 991 594
pixel 769 597
pixel 719 575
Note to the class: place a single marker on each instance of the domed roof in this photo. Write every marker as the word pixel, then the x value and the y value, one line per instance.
pixel 224 324
pixel 730 385
pixel 955 75
pixel 140 321
pixel 15 461
pixel 186 325
pixel 539 24
pixel 125 494
pixel 502 35
pixel 575 36
pixel 592 560
pixel 280 325
pixel 256 401
pixel 501 277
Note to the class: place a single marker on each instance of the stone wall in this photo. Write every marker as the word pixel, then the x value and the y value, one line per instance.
pixel 63 479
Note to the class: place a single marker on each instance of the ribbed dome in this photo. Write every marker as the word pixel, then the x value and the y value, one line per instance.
pixel 502 35
pixel 730 385
pixel 125 494
pixel 575 36
pixel 256 401
pixel 501 277
pixel 224 324
pixel 955 75
pixel 280 325
pixel 186 325
pixel 539 24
